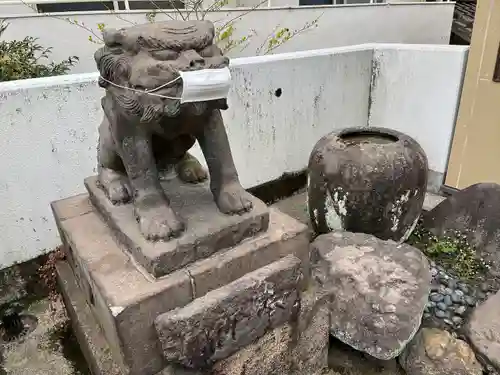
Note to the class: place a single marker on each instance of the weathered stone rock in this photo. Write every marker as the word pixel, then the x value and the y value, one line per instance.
pixel 310 336
pixel 178 370
pixel 436 352
pixel 299 347
pixel 483 331
pixel 86 328
pixel 367 180
pixel 472 212
pixel 376 290
pixel 345 360
pixel 227 319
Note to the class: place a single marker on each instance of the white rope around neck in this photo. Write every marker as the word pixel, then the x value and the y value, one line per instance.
pixel 149 92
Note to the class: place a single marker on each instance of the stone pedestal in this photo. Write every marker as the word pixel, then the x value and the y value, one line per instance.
pixel 207 229
pixel 196 302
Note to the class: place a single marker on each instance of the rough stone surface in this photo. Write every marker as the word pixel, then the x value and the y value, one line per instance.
pixel 436 352
pixel 90 337
pixel 12 286
pixel 45 350
pixel 295 206
pixel 367 180
pixel 474 212
pixel 483 331
pixel 299 347
pixel 345 360
pixel 147 125
pixel 377 290
pixel 207 229
pixel 179 370
pixel 227 319
pixel 125 299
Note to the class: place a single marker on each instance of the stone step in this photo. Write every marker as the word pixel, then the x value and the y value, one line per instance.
pixel 298 347
pixel 91 339
pixel 227 319
pixel 126 299
pixel 207 229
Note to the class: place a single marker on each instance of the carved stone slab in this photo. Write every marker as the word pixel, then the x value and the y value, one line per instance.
pixel 207 229
pixel 227 319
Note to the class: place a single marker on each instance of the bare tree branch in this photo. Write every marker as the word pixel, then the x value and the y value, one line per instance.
pixel 166 13
pixel 243 14
pixel 259 50
pixel 224 33
pixel 296 32
pixel 118 16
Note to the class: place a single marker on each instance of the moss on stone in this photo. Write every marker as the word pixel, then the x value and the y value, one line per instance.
pixel 452 251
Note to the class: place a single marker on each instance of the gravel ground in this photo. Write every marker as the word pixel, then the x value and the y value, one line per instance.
pixel 451 299
pixel 50 349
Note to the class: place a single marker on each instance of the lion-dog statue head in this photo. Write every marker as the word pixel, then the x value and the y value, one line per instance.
pixel 145 57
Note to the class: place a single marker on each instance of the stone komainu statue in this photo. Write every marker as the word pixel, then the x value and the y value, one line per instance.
pixel 140 130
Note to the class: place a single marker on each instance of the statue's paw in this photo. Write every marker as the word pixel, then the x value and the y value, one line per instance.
pixel 116 187
pixel 233 199
pixel 190 170
pixel 119 192
pixel 159 223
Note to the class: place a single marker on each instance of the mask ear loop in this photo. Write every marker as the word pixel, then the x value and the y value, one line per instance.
pixel 148 92
pixel 165 84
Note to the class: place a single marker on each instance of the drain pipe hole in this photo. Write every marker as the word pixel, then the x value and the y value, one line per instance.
pixel 15 325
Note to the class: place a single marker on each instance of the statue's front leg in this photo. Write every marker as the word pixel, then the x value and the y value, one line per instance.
pixel 156 218
pixel 228 193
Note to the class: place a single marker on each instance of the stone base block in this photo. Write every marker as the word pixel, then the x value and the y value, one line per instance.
pixel 298 347
pixel 126 299
pixel 90 337
pixel 228 319
pixel 295 348
pixel 207 229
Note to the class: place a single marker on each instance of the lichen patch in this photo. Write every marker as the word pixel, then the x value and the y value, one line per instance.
pixel 397 210
pixel 335 208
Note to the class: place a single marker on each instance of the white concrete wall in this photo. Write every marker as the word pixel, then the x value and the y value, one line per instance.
pixel 428 23
pixel 401 98
pixel 49 133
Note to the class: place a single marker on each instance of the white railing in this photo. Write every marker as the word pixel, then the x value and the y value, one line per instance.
pixel 62 6
pixel 57 6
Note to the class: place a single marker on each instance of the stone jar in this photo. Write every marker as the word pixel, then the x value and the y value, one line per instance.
pixel 369 180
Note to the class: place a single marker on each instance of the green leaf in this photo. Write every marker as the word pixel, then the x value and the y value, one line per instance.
pixel 21 60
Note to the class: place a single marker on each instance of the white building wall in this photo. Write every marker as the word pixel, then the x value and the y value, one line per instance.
pixel 401 98
pixel 413 23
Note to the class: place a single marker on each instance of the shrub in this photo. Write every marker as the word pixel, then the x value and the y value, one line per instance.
pixel 22 59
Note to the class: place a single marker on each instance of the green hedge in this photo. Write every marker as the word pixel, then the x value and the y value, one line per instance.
pixel 23 59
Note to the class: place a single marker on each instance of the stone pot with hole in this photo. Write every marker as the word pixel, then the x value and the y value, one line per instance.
pixel 369 180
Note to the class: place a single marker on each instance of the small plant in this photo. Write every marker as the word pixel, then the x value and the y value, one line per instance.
pixel 21 59
pixel 453 251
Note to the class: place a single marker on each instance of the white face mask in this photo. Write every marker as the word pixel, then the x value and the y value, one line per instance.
pixel 204 85
pixel 197 86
